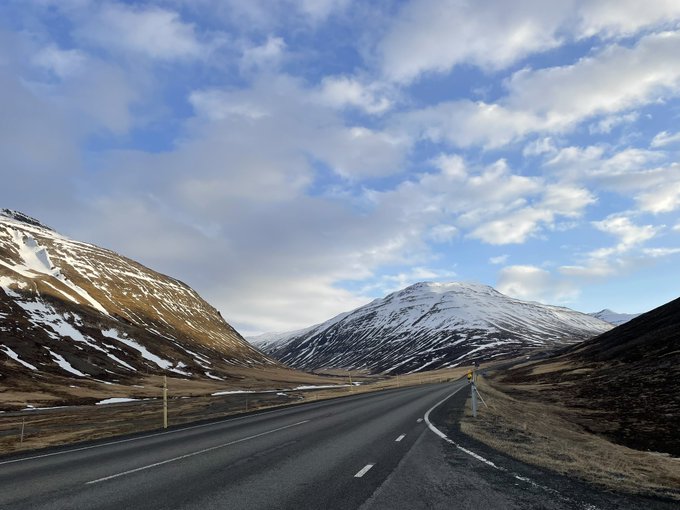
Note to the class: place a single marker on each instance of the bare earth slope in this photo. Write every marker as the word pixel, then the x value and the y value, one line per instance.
pixel 71 311
pixel 432 325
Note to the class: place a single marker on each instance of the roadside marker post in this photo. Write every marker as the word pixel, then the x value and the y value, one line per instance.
pixel 165 401
pixel 23 424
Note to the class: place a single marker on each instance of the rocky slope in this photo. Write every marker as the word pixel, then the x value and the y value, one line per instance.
pixel 428 326
pixel 73 311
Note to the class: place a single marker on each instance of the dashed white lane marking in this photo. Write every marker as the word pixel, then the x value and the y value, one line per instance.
pixel 364 470
pixel 419 419
pixel 194 453
pixel 400 438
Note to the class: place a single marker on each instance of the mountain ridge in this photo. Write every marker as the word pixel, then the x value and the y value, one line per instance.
pixel 431 325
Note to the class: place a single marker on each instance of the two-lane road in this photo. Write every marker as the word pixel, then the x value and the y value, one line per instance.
pixel 328 454
pixel 370 452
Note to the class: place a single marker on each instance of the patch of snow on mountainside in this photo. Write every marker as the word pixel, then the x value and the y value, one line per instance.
pixel 433 325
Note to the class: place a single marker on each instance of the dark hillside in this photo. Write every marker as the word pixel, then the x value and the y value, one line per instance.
pixel 624 383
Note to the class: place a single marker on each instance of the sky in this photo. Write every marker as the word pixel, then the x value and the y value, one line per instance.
pixel 294 159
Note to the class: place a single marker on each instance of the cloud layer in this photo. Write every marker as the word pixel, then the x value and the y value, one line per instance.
pixel 292 160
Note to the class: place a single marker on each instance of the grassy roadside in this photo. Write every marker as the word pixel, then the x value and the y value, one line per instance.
pixel 534 431
pixel 189 401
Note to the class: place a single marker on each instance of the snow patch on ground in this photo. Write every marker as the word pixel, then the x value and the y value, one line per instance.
pixel 115 400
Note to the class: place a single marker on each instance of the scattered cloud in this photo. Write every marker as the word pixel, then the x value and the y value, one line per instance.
pixel 342 91
pixel 536 284
pixel 665 138
pixel 499 260
pixel 147 31
pixel 433 36
pixel 556 99
pixel 266 55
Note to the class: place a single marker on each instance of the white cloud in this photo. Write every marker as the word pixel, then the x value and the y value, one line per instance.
pixel 540 147
pixel 608 123
pixel 63 63
pixel 627 172
pixel 664 197
pixel 617 18
pixel 628 233
pixel 516 227
pixel 665 138
pixel 267 55
pixel 442 233
pixel 499 260
pixel 615 79
pixel 341 91
pixel 150 31
pixel 273 108
pixel 451 166
pixel 613 260
pixel 660 252
pixel 435 35
pixel 533 283
pixel 554 100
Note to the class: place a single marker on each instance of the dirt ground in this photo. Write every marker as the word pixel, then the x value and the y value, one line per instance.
pixel 529 427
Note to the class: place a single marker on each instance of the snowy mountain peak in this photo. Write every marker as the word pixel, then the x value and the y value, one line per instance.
pixel 612 317
pixel 430 325
pixel 22 218
pixel 443 287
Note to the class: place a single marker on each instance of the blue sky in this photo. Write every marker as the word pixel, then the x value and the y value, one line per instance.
pixel 291 160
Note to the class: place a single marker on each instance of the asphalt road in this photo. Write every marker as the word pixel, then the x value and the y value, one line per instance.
pixel 370 451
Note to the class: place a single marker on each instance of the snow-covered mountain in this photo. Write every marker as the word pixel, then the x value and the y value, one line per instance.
pixel 73 310
pixel 614 318
pixel 428 326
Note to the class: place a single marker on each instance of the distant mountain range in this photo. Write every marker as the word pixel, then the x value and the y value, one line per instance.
pixel 74 311
pixel 428 326
pixel 614 318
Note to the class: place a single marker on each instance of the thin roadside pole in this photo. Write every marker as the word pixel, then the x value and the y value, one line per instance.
pixel 23 424
pixel 165 401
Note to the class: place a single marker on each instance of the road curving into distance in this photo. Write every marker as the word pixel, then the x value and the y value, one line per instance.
pixel 368 451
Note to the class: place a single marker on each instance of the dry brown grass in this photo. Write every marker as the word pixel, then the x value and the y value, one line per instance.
pixel 546 435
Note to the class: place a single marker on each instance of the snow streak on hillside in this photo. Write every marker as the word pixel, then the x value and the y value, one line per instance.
pixel 432 325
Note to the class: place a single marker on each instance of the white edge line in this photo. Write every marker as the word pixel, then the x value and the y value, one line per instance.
pixel 400 438
pixel 447 439
pixel 479 457
pixel 364 470
pixel 174 459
